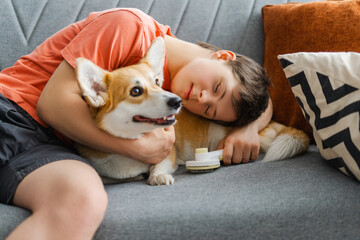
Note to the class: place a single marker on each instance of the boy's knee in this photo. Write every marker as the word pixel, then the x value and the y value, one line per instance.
pixel 88 201
pixel 82 211
pixel 83 202
pixel 93 200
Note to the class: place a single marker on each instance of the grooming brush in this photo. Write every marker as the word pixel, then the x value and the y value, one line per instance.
pixel 204 161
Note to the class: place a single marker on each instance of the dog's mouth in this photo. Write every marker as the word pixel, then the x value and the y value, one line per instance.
pixel 169 120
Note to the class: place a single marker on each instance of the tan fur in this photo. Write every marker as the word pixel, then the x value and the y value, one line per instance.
pixel 172 157
pixel 300 135
pixel 268 134
pixel 193 132
pixel 190 128
pixel 275 129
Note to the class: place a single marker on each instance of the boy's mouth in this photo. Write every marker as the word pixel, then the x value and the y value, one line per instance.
pixel 169 120
pixel 187 94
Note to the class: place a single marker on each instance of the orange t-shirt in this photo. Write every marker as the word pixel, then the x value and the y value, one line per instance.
pixel 110 39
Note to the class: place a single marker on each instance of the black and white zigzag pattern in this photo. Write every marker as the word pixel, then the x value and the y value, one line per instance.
pixel 340 126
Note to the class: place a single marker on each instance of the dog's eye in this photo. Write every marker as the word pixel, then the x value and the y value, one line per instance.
pixel 157 82
pixel 136 91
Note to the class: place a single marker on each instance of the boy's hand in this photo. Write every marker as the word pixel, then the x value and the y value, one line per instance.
pixel 241 145
pixel 154 146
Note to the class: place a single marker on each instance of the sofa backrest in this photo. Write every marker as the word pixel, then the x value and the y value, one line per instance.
pixel 230 24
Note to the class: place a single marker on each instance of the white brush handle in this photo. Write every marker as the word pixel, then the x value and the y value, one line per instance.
pixel 215 155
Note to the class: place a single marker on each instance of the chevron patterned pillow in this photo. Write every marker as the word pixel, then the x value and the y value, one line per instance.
pixel 327 88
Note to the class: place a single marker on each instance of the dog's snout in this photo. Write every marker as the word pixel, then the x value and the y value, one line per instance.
pixel 174 102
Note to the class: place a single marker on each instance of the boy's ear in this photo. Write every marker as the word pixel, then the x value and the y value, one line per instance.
pixel 155 57
pixel 224 55
pixel 91 80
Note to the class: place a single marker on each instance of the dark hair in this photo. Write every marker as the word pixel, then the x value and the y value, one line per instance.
pixel 253 94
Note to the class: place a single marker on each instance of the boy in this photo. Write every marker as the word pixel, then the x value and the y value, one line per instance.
pixel 39 172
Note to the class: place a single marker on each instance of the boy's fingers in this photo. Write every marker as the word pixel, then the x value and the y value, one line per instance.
pixel 246 156
pixel 255 153
pixel 248 151
pixel 228 154
pixel 221 145
pixel 237 155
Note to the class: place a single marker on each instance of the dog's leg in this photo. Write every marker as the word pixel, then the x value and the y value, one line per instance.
pixel 160 174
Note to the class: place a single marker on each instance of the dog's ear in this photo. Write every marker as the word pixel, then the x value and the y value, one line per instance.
pixel 91 80
pixel 155 57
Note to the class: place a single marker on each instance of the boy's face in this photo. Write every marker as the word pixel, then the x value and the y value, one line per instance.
pixel 206 87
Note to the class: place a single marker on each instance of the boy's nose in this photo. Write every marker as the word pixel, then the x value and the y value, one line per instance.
pixel 204 97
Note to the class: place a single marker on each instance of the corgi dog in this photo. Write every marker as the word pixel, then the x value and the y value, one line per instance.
pixel 129 102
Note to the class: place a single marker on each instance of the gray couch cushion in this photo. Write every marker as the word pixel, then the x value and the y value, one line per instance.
pixel 300 198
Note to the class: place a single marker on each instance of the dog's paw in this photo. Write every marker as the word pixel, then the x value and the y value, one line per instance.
pixel 160 179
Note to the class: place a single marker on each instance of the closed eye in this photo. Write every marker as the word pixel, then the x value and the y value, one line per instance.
pixel 207 110
pixel 217 87
pixel 210 112
pixel 217 90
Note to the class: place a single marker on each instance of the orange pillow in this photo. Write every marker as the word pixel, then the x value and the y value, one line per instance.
pixel 305 27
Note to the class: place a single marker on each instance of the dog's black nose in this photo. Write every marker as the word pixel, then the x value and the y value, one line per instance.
pixel 174 102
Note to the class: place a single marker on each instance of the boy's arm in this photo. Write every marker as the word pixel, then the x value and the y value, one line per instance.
pixel 243 144
pixel 62 107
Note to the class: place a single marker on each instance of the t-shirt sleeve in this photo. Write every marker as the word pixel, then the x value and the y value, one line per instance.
pixel 110 40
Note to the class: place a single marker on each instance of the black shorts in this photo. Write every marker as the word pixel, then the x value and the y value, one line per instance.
pixel 25 145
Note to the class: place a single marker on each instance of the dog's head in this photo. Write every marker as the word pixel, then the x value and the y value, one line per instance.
pixel 129 101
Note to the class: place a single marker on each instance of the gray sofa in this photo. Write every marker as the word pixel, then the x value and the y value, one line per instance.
pixel 298 198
